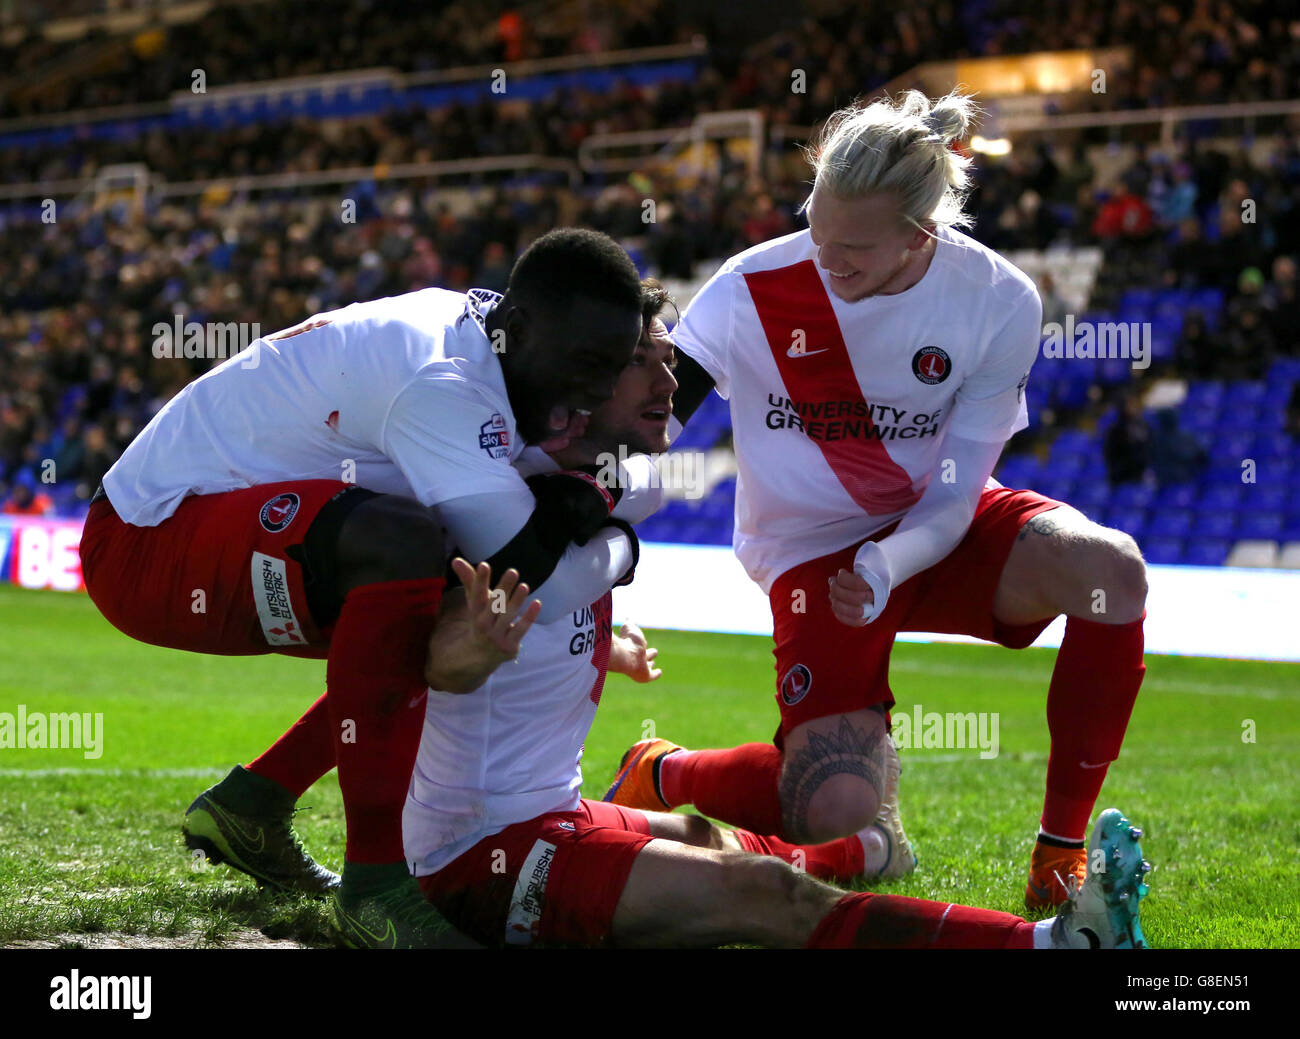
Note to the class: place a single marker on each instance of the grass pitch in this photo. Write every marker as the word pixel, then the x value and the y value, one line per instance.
pixel 90 852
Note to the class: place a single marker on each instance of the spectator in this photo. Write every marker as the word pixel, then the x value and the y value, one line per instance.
pixel 23 501
pixel 1176 456
pixel 1128 443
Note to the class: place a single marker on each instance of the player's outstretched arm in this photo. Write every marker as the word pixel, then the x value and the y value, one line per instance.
pixel 631 655
pixel 479 628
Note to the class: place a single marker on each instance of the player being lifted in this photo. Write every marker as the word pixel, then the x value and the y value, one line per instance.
pixel 875 365
pixel 281 503
pixel 505 846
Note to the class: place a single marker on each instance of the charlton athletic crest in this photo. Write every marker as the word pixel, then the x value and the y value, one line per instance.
pixel 795 685
pixel 279 512
pixel 494 438
pixel 931 365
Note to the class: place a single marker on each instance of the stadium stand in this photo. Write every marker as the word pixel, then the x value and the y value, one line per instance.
pixel 1141 230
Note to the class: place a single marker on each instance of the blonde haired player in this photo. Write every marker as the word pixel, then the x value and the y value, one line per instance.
pixel 875 365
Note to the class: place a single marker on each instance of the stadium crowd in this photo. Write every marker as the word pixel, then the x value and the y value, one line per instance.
pixel 79 297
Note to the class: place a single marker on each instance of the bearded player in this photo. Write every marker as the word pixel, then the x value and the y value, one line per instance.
pixel 284 503
pixel 507 849
pixel 876 365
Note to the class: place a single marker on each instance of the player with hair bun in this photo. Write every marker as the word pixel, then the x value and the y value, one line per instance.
pixel 875 365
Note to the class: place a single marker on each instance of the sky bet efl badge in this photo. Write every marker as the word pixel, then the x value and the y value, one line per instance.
pixel 494 438
pixel 931 365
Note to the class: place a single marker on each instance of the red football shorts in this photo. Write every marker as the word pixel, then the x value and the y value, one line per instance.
pixel 553 880
pixel 215 576
pixel 824 667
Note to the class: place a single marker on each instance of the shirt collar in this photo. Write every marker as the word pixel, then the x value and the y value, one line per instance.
pixel 478 304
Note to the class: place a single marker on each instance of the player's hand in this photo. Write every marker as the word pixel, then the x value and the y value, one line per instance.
pixel 850 594
pixel 631 655
pixel 493 611
pixel 479 628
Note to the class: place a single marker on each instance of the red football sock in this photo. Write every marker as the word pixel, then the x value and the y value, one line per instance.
pixel 1098 673
pixel 376 703
pixel 835 860
pixel 737 785
pixel 303 754
pixel 868 921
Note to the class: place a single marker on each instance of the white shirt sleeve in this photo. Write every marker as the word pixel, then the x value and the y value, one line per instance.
pixel 934 525
pixel 451 439
pixel 990 404
pixel 704 331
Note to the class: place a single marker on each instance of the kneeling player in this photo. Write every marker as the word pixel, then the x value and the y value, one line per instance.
pixel 507 850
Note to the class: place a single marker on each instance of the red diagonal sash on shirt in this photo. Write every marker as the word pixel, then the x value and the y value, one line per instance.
pixel 793 298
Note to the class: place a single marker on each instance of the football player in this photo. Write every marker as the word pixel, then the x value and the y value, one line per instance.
pixel 875 366
pixel 506 847
pixel 284 502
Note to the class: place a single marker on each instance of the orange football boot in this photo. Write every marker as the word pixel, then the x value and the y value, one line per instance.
pixel 637 782
pixel 1050 870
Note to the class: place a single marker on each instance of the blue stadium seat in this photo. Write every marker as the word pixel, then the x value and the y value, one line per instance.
pixel 1114 371
pixel 1132 496
pixel 1201 393
pixel 1240 415
pixel 1206 551
pixel 1070 442
pixel 1170 523
pixel 1131 521
pixel 1267 497
pixel 1017 470
pixel 1221 497
pixel 1060 488
pixel 1176 496
pixel 1163 550
pixel 1090 496
pixel 1285 370
pixel 1264 526
pixel 1198 419
pixel 1244 393
pixel 1143 300
pixel 1237 444
pixel 1214 524
pixel 1210 303
pixel 1224 471
pixel 1271 444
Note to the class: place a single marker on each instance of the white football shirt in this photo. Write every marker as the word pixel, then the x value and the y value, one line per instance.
pixel 401 396
pixel 838 409
pixel 510 750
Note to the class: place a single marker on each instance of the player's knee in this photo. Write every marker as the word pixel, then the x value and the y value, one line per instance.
pixel 1117 577
pixel 843 803
pixel 701 833
pixel 770 880
pixel 390 538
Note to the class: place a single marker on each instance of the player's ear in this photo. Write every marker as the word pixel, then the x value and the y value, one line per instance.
pixel 516 325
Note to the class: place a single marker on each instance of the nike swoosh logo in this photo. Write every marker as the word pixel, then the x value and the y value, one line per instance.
pixel 246 837
pixel 1087 764
pixel 792 352
pixel 387 940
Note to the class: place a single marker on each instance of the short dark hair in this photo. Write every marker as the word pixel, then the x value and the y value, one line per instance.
pixel 654 297
pixel 570 263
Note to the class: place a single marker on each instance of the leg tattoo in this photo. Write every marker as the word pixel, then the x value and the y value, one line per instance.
pixel 849 751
